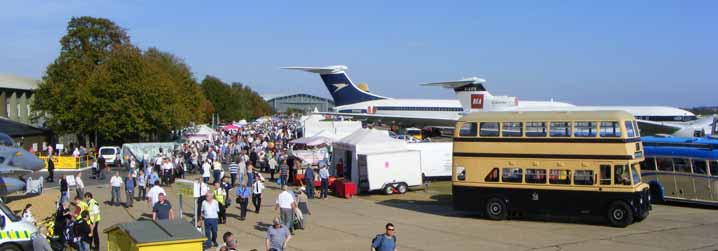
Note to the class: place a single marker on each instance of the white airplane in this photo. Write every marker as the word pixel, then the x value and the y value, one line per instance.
pixel 472 96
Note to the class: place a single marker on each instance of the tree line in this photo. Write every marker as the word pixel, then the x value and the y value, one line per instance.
pixel 101 85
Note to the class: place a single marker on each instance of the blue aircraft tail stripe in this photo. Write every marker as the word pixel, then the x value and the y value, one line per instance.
pixel 344 91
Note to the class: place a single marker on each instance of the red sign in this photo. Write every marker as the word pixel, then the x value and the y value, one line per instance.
pixel 477 101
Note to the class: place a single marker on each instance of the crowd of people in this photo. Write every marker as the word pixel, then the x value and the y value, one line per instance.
pixel 233 167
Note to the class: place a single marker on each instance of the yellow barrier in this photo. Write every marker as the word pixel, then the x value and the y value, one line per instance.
pixel 68 162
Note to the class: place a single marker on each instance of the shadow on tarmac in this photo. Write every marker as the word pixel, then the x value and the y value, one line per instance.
pixel 261 226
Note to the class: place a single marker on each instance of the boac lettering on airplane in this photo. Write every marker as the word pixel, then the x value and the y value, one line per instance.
pixel 477 101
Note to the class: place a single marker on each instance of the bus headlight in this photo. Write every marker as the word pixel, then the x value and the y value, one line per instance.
pixel 460 173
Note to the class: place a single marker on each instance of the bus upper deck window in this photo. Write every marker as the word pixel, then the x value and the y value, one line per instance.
pixel 605 174
pixel 493 176
pixel 584 129
pixel 635 174
pixel 621 175
pixel 714 167
pixel 535 129
pixel 610 129
pixel 512 129
pixel 560 129
pixel 489 129
pixel 468 130
pixel 629 129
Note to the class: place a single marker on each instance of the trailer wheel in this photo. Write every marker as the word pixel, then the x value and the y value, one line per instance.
pixel 388 189
pixel 402 188
pixel 619 214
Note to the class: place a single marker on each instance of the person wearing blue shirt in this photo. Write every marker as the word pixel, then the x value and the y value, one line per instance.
pixel 243 198
pixel 141 183
pixel 309 181
pixel 386 241
pixel 154 177
pixel 129 189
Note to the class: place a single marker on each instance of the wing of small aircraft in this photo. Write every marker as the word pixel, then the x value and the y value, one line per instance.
pixel 6 170
pixel 403 120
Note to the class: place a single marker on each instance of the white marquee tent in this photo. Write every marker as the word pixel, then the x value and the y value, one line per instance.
pixel 362 141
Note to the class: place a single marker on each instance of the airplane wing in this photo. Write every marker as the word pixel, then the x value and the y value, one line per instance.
pixel 13 171
pixel 406 120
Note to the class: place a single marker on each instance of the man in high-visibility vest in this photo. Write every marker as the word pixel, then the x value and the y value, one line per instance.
pixel 219 195
pixel 95 217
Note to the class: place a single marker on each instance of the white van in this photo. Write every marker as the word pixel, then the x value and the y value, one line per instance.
pixel 15 234
pixel 111 154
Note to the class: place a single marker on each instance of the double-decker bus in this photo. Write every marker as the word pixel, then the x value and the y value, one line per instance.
pixel 561 163
pixel 682 169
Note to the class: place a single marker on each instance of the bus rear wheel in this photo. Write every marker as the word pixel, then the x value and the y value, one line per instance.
pixel 496 209
pixel 10 247
pixel 619 214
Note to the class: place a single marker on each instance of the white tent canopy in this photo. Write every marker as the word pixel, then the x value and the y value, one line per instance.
pixel 362 141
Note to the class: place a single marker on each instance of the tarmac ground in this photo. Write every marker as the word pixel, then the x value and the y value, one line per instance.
pixel 425 220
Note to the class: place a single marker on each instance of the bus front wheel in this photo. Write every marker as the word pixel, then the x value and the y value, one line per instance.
pixel 496 209
pixel 619 214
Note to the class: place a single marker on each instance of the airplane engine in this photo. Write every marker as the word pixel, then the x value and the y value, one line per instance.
pixel 9 185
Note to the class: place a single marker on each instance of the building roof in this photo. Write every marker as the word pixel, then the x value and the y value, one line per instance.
pixel 17 129
pixel 270 97
pixel 148 231
pixel 9 81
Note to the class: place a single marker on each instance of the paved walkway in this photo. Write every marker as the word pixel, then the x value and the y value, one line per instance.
pixel 341 224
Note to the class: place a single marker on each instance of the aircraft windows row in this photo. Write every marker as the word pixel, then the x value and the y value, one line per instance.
pixel 414 108
pixel 667 118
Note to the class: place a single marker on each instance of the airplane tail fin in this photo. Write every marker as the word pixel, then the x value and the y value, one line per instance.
pixel 342 89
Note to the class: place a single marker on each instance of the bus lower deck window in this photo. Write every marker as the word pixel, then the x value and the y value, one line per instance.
pixel 621 175
pixel 648 165
pixel 714 167
pixel 559 176
pixel 493 176
pixel 605 174
pixel 512 174
pixel 583 177
pixel 536 176
pixel 681 165
pixel 700 166
pixel 664 164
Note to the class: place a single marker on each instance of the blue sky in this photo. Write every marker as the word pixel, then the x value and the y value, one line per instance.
pixel 582 52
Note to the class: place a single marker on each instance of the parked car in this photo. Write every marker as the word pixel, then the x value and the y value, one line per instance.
pixel 111 154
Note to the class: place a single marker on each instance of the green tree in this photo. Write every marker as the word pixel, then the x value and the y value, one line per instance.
pixel 102 85
pixel 235 101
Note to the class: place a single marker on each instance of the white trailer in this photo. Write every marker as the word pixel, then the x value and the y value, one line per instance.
pixel 435 158
pixel 389 172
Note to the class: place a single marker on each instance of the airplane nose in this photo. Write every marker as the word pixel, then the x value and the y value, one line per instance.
pixel 28 161
pixel 9 185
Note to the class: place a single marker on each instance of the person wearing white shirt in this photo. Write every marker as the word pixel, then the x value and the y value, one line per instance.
pixel 116 182
pixel 257 189
pixel 76 153
pixel 285 204
pixel 324 177
pixel 206 171
pixel 27 215
pixel 154 194
pixel 210 216
pixel 79 185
